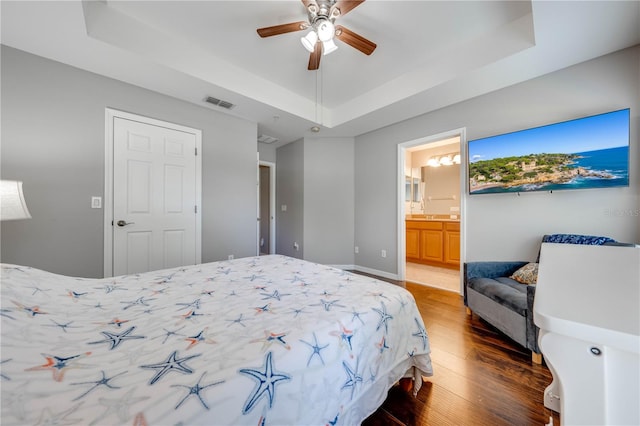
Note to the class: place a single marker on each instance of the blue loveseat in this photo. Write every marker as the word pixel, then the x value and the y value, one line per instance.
pixel 491 293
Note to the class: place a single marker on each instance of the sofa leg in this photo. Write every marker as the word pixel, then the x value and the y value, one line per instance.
pixel 536 358
pixel 468 310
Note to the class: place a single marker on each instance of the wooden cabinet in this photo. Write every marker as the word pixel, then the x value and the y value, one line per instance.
pixel 431 245
pixel 413 243
pixel 433 242
pixel 452 243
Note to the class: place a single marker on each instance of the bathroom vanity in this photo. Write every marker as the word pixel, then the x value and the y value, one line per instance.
pixel 433 240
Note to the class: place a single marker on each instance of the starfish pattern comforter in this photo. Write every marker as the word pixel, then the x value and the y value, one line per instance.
pixel 267 340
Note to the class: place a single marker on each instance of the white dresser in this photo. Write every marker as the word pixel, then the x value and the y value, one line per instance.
pixel 587 306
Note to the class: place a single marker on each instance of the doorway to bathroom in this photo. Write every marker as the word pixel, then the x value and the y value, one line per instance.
pixel 430 210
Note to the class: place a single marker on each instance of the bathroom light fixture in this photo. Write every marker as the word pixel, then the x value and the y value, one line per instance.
pixel 444 160
pixel 12 203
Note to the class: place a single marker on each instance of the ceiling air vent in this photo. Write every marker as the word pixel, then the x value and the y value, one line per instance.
pixel 219 102
pixel 267 139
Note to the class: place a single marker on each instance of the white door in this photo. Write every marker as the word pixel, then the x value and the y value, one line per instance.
pixel 155 194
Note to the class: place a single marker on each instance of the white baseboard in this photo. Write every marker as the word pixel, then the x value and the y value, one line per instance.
pixel 364 269
pixel 383 274
pixel 344 267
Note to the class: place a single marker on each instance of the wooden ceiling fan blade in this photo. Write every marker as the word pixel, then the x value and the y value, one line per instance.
pixel 314 58
pixel 355 40
pixel 346 6
pixel 308 3
pixel 282 29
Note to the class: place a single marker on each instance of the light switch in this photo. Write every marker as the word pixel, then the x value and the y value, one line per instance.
pixel 283 207
pixel 96 202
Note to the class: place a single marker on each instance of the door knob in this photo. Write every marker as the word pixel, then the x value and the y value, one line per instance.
pixel 123 223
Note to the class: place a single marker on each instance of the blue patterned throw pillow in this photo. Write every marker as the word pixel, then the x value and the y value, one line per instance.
pixel 577 239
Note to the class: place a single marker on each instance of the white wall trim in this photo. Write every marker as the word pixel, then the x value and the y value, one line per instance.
pixel 402 147
pixel 400 203
pixel 107 265
pixel 110 115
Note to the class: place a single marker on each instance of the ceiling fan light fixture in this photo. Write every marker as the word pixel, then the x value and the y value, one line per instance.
pixel 328 47
pixel 309 41
pixel 321 18
pixel 325 29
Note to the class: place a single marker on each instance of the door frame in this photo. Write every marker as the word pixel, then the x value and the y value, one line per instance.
pixel 272 205
pixel 110 115
pixel 401 227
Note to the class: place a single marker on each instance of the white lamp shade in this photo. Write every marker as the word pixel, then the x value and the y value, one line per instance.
pixel 328 47
pixel 326 30
pixel 446 160
pixel 12 203
pixel 309 41
pixel 456 159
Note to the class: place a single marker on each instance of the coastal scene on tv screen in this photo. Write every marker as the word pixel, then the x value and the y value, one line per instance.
pixel 589 152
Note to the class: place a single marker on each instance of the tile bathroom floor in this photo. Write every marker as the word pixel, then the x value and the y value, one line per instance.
pixel 432 276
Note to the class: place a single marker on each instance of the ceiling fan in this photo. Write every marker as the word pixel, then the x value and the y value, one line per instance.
pixel 321 18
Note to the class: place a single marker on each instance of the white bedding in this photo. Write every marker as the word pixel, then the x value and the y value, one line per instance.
pixel 268 340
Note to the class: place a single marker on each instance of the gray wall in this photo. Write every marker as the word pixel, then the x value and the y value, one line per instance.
pixel 329 200
pixel 53 140
pixel 267 152
pixel 502 226
pixel 290 193
pixel 315 180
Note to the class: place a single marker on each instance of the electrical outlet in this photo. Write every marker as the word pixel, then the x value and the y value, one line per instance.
pixel 357 250
pixel 383 253
pixel 230 257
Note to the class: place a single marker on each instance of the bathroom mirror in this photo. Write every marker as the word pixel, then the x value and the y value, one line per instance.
pixel 407 188
pixel 416 190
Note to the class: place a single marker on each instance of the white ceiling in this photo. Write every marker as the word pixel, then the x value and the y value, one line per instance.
pixel 430 54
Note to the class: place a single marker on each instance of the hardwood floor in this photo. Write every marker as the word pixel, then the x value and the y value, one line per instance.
pixel 480 376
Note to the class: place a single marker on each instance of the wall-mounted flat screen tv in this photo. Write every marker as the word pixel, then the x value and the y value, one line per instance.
pixel 588 152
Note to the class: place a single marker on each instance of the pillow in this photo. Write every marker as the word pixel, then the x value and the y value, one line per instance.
pixel 528 274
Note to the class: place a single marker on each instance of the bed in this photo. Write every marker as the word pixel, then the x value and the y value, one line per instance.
pixel 267 340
